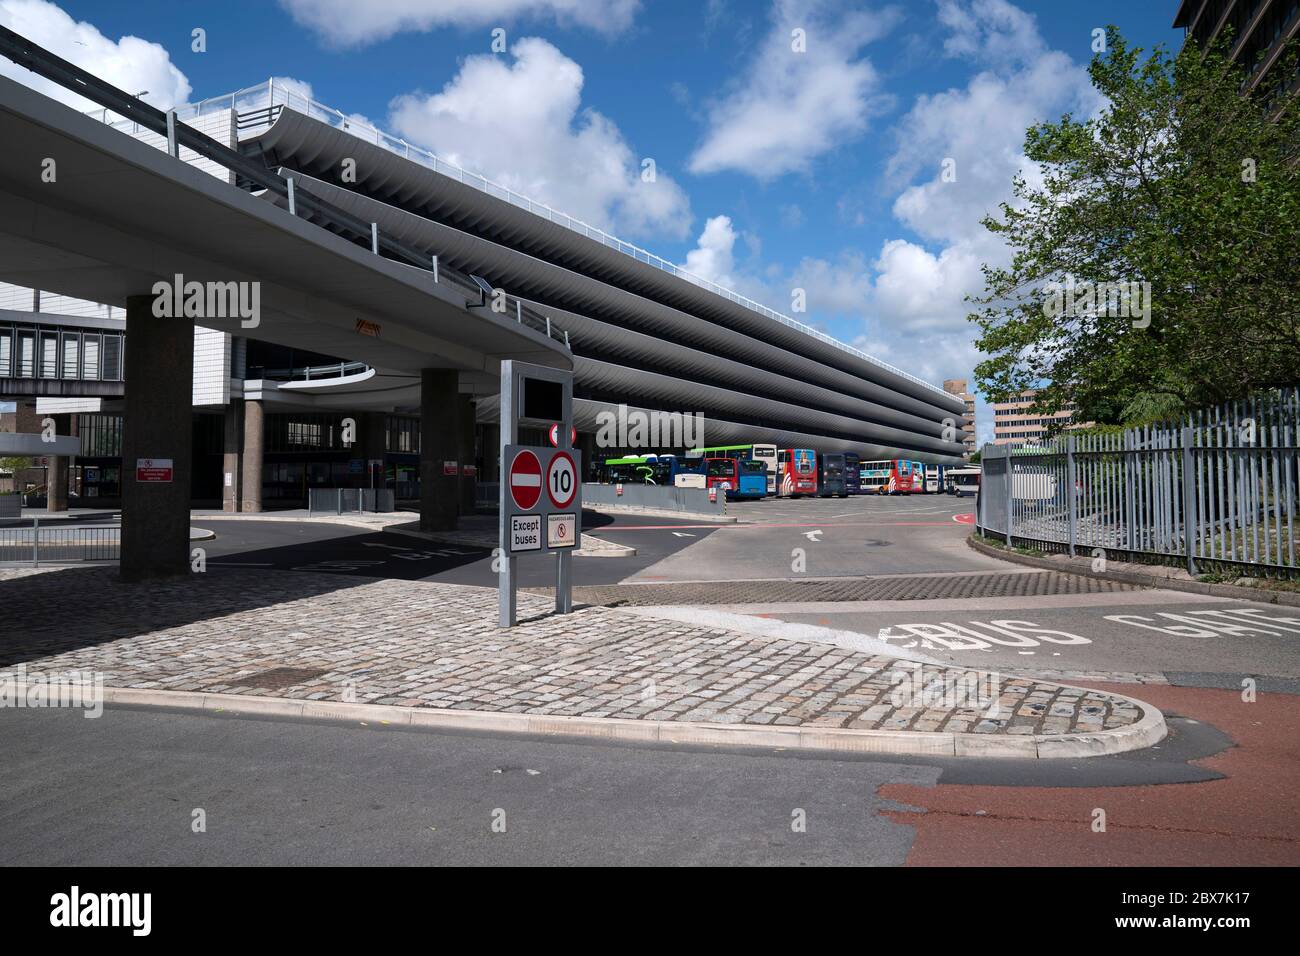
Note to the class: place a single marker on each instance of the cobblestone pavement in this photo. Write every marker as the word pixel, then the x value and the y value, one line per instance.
pixel 419 644
pixel 910 587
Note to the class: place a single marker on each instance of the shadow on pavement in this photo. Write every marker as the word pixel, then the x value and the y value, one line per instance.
pixel 53 612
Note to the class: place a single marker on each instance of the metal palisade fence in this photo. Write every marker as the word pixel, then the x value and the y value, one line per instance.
pixel 1220 487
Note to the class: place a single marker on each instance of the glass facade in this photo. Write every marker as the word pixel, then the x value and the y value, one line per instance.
pixel 29 352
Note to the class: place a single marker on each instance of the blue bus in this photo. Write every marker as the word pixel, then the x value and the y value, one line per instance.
pixel 738 477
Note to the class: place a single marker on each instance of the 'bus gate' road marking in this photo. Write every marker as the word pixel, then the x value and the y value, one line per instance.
pixel 1019 634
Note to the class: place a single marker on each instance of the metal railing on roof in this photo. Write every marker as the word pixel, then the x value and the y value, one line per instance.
pixel 254 103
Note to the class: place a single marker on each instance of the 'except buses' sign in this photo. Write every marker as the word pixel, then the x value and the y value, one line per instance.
pixel 543 498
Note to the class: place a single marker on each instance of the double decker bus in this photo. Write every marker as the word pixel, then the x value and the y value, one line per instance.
pixel 832 475
pixel 738 477
pixel 763 453
pixel 852 473
pixel 934 478
pixel 889 477
pixel 796 471
pixel 918 476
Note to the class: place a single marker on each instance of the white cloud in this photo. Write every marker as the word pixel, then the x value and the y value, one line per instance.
pixel 130 63
pixel 713 257
pixel 839 288
pixel 349 23
pixel 521 123
pixel 791 107
pixel 919 288
pixel 990 30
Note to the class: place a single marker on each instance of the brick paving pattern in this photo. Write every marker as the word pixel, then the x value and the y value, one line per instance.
pixel 422 644
pixel 905 588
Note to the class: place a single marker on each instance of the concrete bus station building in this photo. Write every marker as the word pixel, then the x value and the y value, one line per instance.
pixel 349 334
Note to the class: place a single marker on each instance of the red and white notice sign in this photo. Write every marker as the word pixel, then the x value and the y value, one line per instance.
pixel 153 469
pixel 525 480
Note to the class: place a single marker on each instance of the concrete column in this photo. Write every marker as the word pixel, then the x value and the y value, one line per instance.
pixel 232 457
pixel 56 484
pixel 465 450
pixel 250 491
pixel 438 443
pixel 158 425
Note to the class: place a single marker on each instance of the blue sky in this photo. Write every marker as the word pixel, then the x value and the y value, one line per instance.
pixel 775 169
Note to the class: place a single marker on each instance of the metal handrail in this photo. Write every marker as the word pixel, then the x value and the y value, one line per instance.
pixel 250 100
pixel 308 373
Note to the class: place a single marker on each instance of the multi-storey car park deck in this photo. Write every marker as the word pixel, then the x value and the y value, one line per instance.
pixel 638 330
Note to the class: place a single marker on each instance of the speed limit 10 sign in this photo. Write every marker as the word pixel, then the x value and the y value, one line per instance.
pixel 561 480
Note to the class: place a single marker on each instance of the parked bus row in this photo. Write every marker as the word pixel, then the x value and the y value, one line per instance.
pixel 765 471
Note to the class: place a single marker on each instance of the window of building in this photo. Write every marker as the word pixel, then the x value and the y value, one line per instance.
pixel 90 357
pixel 49 355
pixel 71 355
pixel 112 359
pixel 26 355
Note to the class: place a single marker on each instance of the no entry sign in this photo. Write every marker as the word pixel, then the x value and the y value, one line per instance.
pixel 525 480
pixel 561 480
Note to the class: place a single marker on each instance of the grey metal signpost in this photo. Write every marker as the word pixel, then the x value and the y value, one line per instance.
pixel 540 488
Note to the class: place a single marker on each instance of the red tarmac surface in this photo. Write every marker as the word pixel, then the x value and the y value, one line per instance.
pixel 1251 817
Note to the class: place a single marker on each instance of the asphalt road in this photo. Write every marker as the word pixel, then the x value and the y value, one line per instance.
pixel 838 537
pixel 826 537
pixel 320 547
pixel 1189 638
pixel 123 790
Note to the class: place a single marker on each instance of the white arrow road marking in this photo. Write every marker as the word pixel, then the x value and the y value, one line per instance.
pixel 682 534
pixel 813 535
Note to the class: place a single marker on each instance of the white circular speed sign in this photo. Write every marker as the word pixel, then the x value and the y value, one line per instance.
pixel 561 480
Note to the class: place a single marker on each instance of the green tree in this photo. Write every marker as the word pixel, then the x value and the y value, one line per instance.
pixel 1180 182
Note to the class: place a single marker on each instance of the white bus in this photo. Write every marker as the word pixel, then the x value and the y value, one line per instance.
pixel 934 479
pixel 962 481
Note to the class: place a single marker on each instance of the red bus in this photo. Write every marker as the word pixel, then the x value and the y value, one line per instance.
pixel 891 477
pixel 796 472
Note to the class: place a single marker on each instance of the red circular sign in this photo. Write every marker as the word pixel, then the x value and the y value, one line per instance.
pixel 554 435
pixel 525 479
pixel 561 479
